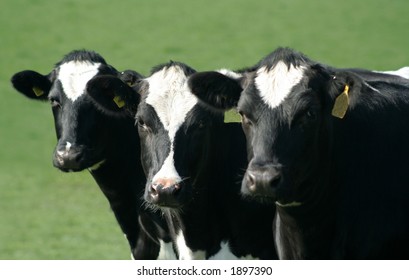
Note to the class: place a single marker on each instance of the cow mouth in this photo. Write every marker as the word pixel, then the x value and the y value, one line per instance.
pixel 264 192
pixel 167 197
pixel 84 164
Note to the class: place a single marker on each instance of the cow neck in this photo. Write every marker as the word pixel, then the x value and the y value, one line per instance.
pixel 122 161
pixel 198 222
pixel 201 220
pixel 304 231
pixel 122 180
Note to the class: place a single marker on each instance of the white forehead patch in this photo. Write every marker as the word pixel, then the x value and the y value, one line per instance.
pixel 171 99
pixel 275 84
pixel 74 76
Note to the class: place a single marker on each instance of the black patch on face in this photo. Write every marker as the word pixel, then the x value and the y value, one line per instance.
pixel 154 139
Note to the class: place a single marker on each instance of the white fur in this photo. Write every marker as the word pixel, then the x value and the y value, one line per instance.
pixel 185 253
pixel 226 254
pixel 67 149
pixel 171 99
pixel 275 84
pixel 68 146
pixel 168 170
pixel 230 74
pixel 74 76
pixel 403 72
pixel 166 251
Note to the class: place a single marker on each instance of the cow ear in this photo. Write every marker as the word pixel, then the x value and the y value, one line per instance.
pixel 112 95
pixel 32 84
pixel 344 87
pixel 130 77
pixel 215 89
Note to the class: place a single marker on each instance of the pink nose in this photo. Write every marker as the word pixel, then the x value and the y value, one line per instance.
pixel 165 192
pixel 165 183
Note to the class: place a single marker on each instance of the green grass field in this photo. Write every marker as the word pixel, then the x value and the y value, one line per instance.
pixel 46 214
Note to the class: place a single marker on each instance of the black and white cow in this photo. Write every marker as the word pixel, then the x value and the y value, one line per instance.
pixel 88 139
pixel 193 161
pixel 329 147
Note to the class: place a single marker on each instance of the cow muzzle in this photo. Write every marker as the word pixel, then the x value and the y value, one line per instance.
pixel 165 193
pixel 262 181
pixel 68 161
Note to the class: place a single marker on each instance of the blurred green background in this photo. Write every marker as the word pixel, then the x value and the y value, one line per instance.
pixel 47 214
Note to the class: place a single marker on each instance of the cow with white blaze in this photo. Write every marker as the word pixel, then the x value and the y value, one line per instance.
pixel 193 162
pixel 329 147
pixel 88 139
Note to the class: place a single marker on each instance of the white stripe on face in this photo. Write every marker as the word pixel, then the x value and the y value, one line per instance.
pixel 275 84
pixel 74 76
pixel 171 99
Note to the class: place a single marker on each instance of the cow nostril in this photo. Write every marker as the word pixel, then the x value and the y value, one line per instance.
pixel 275 179
pixel 251 185
pixel 154 190
pixel 59 158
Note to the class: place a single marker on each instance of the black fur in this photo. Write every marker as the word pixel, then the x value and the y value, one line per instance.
pixel 95 137
pixel 341 185
pixel 209 156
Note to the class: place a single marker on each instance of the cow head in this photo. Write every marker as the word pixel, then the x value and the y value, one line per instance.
pixel 287 104
pixel 82 130
pixel 175 131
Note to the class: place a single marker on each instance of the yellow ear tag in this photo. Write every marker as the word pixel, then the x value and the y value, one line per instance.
pixel 119 102
pixel 341 104
pixel 231 116
pixel 38 91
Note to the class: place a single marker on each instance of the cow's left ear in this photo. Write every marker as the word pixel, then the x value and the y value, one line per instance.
pixel 215 89
pixel 112 95
pixel 344 86
pixel 32 84
pixel 130 77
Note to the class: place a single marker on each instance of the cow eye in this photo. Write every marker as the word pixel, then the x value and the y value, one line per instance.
pixel 55 103
pixel 311 115
pixel 141 124
pixel 201 125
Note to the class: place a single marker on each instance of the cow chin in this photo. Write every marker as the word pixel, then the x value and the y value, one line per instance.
pixel 258 194
pixel 67 165
pixel 281 194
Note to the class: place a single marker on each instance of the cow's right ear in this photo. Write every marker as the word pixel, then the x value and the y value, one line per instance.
pixel 32 84
pixel 112 95
pixel 215 89
pixel 130 77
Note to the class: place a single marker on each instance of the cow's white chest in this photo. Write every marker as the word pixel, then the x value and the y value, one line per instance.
pixel 185 253
pixel 74 76
pixel 166 251
pixel 226 254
